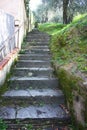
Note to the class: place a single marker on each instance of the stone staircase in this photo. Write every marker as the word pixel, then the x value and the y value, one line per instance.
pixel 33 100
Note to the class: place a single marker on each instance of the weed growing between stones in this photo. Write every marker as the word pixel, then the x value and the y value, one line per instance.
pixel 3 126
pixel 22 51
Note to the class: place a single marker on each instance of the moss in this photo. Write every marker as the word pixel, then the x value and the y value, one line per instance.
pixel 69 84
pixel 85 109
pixel 22 51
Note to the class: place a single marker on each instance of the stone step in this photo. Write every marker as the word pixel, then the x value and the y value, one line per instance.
pixel 34 97
pixel 37 51
pixel 33 57
pixel 35 72
pixel 38 47
pixel 37 40
pixel 37 43
pixel 46 113
pixel 37 37
pixel 37 32
pixel 32 82
pixel 35 125
pixel 33 63
pixel 33 100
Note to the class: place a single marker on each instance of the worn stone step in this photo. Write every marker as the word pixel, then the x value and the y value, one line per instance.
pixel 33 57
pixel 37 51
pixel 33 63
pixel 37 40
pixel 38 37
pixel 37 32
pixel 38 43
pixel 37 126
pixel 46 113
pixel 33 82
pixel 37 97
pixel 35 72
pixel 38 47
pixel 33 97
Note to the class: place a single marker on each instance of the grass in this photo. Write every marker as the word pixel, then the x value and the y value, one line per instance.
pixel 69 42
pixel 51 28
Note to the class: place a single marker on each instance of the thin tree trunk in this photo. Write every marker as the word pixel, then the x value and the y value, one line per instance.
pixel 65 7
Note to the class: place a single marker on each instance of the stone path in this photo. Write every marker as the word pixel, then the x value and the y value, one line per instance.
pixel 34 100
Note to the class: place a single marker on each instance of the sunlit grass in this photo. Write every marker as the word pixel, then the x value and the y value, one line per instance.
pixel 51 28
pixel 79 17
pixel 69 42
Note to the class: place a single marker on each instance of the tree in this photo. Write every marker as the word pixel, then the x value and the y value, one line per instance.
pixel 60 10
pixel 65 11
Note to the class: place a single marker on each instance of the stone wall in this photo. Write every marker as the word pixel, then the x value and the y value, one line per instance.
pixel 74 86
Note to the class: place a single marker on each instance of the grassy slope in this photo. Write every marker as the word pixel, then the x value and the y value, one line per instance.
pixel 69 43
pixel 51 28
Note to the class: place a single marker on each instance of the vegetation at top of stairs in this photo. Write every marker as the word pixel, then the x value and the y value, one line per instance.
pixel 69 42
pixel 51 28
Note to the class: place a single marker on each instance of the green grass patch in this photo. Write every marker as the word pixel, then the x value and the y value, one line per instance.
pixel 3 126
pixel 51 28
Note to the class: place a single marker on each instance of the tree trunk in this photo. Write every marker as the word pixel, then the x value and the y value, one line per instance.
pixel 65 15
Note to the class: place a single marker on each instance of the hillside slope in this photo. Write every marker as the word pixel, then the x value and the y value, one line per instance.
pixel 69 49
pixel 69 43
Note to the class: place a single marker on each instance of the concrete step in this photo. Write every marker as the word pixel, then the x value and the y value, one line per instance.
pixel 37 97
pixel 33 57
pixel 35 72
pixel 32 82
pixel 46 113
pixel 33 63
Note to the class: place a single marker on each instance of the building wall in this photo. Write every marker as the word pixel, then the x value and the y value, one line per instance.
pixel 13 20
pixel 16 8
pixel 6 31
